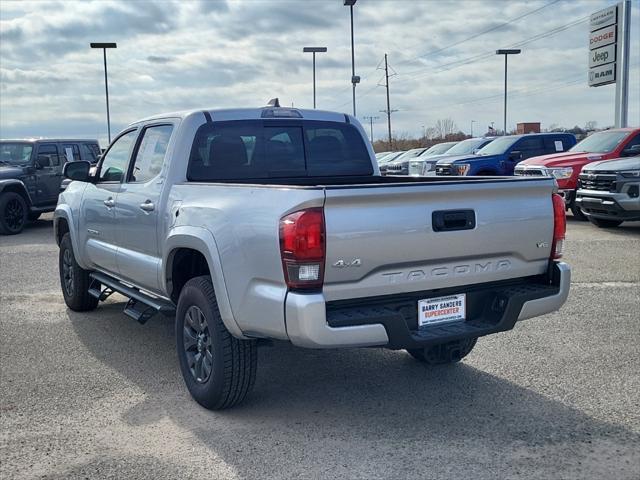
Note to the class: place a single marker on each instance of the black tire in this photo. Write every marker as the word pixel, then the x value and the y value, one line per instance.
pixel 443 353
pixel 218 368
pixel 74 280
pixel 604 223
pixel 13 213
pixel 34 216
pixel 578 214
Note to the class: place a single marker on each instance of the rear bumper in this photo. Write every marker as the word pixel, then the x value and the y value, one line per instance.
pixel 391 320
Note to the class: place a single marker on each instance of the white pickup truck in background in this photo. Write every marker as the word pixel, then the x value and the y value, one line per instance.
pixel 274 223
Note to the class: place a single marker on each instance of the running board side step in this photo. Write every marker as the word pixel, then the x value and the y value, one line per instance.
pixel 141 307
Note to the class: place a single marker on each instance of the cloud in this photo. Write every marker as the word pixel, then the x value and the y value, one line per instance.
pixel 176 55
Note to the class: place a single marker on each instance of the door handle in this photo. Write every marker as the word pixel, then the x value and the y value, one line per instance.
pixel 110 202
pixel 147 206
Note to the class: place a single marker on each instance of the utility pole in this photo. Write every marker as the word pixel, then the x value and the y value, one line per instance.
pixel 472 122
pixel 388 111
pixel 371 119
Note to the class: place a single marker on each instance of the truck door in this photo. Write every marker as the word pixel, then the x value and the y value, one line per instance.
pixel 137 209
pixel 524 148
pixel 97 223
pixel 48 174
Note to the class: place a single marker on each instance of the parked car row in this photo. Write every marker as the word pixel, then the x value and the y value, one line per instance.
pixel 554 155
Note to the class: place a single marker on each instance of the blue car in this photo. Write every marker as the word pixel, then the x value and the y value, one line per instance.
pixel 502 155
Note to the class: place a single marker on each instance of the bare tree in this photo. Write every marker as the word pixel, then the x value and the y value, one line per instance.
pixel 591 125
pixel 444 127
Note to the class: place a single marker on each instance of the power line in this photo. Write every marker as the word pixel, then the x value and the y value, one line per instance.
pixel 483 32
pixel 481 56
pixel 466 61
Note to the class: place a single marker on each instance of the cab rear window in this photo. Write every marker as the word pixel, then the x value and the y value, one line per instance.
pixel 258 149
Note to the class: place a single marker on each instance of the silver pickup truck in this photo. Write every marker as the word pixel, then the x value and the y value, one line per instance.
pixel 274 223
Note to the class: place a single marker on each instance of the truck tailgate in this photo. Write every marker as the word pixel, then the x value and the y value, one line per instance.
pixel 382 239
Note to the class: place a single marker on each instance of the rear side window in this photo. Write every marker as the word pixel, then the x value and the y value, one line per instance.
pixel 256 149
pixel 71 152
pixel 151 152
pixel 533 143
pixel 90 152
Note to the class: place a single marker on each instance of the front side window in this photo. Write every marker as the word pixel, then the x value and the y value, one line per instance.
pixel 498 146
pixel 48 155
pixel 115 160
pixel 15 153
pixel 258 149
pixel 151 152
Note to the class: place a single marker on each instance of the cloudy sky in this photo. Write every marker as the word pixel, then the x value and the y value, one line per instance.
pixel 238 53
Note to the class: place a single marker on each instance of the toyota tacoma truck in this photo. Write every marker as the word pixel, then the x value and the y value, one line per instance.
pixel 254 225
pixel 609 191
pixel 566 167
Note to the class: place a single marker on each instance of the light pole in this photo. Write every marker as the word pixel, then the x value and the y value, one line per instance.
pixel 314 50
pixel 472 122
pixel 104 47
pixel 354 78
pixel 506 53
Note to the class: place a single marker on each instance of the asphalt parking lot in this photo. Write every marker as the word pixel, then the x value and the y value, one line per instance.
pixel 98 396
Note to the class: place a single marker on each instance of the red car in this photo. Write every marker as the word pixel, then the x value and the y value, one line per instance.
pixel 566 166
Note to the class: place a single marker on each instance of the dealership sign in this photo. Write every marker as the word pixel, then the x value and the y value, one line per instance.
pixel 603 27
pixel 602 37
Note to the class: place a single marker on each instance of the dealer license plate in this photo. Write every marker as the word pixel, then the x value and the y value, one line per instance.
pixel 432 311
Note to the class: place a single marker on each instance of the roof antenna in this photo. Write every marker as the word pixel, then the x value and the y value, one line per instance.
pixel 274 102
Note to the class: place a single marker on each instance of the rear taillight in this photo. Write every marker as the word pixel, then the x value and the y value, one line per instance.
pixel 302 248
pixel 559 226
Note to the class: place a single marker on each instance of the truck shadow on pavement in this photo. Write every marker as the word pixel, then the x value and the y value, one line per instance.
pixel 366 413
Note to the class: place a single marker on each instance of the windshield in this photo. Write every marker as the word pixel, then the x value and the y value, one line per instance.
pixel 466 146
pixel 14 153
pixel 410 154
pixel 391 157
pixel 601 142
pixel 438 149
pixel 498 146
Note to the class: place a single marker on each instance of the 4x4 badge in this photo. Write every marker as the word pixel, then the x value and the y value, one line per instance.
pixel 356 262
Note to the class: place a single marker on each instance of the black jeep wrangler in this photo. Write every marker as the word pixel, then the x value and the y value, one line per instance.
pixel 31 174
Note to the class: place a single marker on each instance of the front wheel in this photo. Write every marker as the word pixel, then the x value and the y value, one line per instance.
pixel 604 223
pixel 218 368
pixel 443 353
pixel 13 213
pixel 578 214
pixel 74 280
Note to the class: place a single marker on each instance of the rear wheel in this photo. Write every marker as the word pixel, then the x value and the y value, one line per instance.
pixel 13 213
pixel 578 214
pixel 218 368
pixel 604 223
pixel 443 353
pixel 74 280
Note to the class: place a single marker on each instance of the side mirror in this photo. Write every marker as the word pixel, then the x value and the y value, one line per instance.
pixel 77 170
pixel 42 161
pixel 631 151
pixel 516 155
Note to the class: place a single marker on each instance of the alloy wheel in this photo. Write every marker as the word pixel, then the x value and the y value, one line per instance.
pixel 197 344
pixel 14 215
